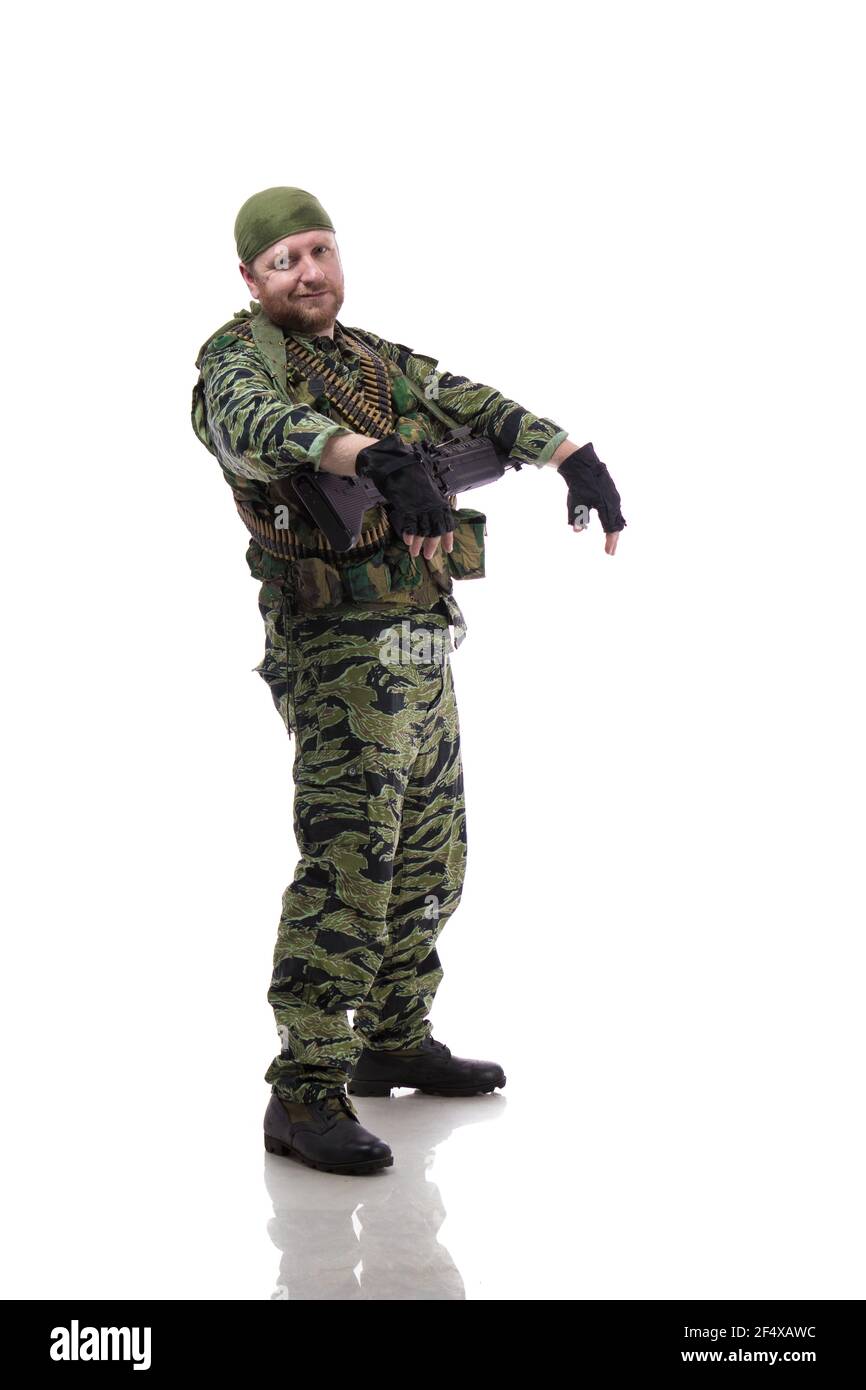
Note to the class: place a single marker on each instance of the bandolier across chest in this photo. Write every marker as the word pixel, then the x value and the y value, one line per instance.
pixel 363 393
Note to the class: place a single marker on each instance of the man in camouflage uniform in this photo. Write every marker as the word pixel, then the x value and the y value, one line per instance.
pixel 357 660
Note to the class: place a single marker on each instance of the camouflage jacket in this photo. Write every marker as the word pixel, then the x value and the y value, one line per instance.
pixel 262 418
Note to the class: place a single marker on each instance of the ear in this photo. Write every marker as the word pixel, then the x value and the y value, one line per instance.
pixel 248 280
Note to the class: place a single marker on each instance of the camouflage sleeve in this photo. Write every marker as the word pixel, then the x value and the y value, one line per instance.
pixel 527 437
pixel 256 433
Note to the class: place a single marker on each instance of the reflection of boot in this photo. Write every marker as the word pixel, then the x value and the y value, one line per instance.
pixel 363 1240
pixel 429 1068
pixel 325 1134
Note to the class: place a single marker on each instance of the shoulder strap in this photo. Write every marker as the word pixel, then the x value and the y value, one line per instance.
pixel 431 405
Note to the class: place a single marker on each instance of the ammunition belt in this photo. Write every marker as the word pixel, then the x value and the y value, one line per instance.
pixel 285 544
pixel 369 410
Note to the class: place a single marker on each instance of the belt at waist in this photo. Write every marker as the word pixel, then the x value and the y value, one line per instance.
pixel 286 544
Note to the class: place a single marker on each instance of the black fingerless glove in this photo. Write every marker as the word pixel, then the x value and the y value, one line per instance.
pixel 414 502
pixel 590 485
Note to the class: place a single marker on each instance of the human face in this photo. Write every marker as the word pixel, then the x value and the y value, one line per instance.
pixel 299 282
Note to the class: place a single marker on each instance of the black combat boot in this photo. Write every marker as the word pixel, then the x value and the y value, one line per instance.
pixel 429 1068
pixel 325 1134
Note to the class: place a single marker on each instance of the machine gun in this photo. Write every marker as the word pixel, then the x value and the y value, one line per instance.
pixel 337 504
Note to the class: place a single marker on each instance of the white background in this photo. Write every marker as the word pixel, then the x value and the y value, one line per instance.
pixel 646 222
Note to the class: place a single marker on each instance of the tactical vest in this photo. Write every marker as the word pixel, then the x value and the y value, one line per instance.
pixel 298 558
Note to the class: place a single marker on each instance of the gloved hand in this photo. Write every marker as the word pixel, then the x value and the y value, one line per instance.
pixel 414 502
pixel 590 485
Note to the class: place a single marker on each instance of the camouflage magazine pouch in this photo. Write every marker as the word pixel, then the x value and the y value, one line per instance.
pixel 390 574
pixel 466 560
pixel 376 578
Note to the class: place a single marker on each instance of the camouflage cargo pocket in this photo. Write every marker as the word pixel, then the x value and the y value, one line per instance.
pixel 466 560
pixel 305 705
pixel 275 676
pixel 316 584
pixel 368 580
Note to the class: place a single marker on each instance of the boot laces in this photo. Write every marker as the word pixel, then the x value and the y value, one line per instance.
pixel 340 1102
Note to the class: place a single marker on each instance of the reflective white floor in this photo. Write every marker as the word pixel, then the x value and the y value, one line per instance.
pixel 681 1116
pixel 597 1189
pixel 380 1236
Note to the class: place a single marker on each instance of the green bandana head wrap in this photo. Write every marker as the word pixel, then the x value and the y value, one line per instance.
pixel 275 213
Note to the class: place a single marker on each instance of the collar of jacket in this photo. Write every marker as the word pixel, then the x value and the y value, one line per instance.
pixel 270 339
